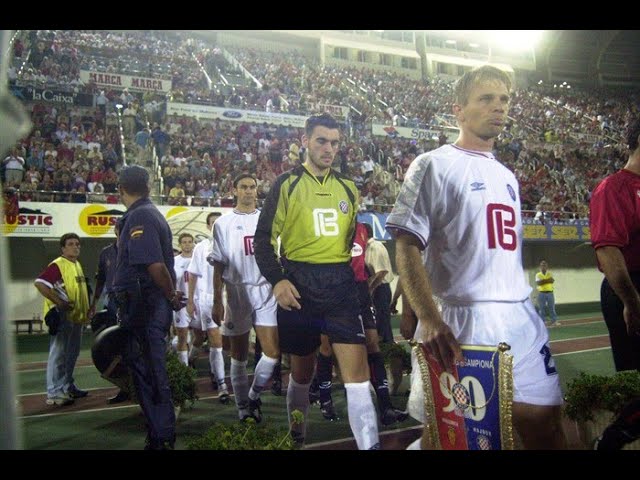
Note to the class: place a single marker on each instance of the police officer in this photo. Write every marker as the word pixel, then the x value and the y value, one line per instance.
pixel 104 279
pixel 107 318
pixel 144 285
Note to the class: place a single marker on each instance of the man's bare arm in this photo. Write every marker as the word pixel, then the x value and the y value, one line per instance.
pixel 436 335
pixel 612 262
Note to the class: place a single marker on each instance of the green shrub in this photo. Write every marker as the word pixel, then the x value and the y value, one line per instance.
pixel 588 393
pixel 182 381
pixel 396 350
pixel 245 435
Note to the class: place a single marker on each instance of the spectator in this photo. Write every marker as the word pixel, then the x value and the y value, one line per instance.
pixel 615 236
pixel 13 168
pixel 64 288
pixel 546 300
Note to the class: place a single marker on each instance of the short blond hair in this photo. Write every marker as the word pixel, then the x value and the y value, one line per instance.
pixel 470 79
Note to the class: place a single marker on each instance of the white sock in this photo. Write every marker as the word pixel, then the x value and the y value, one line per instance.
pixel 415 445
pixel 240 383
pixel 298 399
pixel 362 415
pixel 216 360
pixel 183 355
pixel 261 375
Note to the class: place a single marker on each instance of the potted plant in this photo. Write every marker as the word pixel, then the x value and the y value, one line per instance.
pixel 397 359
pixel 593 401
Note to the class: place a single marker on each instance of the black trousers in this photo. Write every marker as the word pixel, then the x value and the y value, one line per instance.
pixel 625 347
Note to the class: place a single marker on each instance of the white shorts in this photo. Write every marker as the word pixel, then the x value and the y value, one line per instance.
pixel 246 306
pixel 181 319
pixel 203 313
pixel 535 379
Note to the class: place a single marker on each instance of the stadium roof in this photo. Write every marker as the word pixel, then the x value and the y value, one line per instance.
pixel 591 57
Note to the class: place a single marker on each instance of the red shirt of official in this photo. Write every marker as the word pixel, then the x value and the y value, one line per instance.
pixel 615 216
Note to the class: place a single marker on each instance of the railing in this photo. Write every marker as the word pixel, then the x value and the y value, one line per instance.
pixel 528 216
pixel 550 217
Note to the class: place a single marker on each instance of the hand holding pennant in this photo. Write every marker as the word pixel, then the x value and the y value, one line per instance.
pixel 469 406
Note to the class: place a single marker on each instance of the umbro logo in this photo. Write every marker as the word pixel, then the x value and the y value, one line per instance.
pixel 476 186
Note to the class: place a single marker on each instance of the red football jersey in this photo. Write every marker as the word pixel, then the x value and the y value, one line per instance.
pixel 615 216
pixel 357 253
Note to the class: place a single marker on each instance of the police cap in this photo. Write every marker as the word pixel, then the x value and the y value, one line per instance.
pixel 134 179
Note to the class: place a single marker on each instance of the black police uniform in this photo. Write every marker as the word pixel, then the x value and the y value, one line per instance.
pixel 105 274
pixel 144 311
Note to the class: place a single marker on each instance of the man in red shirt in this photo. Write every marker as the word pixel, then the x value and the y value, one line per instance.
pixel 615 236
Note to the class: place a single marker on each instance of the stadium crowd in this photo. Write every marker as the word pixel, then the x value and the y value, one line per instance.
pixel 559 141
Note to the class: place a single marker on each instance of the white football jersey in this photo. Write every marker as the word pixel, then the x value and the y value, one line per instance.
pixel 464 207
pixel 180 265
pixel 201 268
pixel 233 246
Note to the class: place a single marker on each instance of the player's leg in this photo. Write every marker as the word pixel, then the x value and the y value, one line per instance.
pixel 238 372
pixel 324 375
pixel 268 337
pixel 539 426
pixel 300 338
pixel 352 359
pixel 378 373
pixel 197 340
pixel 181 323
pixel 238 321
pixel 216 361
pixel 214 338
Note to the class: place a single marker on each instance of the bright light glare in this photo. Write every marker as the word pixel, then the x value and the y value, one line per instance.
pixel 515 40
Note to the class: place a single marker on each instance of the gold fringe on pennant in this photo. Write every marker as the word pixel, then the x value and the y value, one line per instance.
pixel 505 373
pixel 505 392
pixel 430 424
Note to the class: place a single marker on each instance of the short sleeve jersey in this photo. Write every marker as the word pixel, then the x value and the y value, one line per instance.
pixel 615 216
pixel 201 268
pixel 464 208
pixel 233 247
pixel 182 275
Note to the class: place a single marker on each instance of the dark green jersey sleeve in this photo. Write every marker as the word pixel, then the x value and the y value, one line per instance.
pixel 265 240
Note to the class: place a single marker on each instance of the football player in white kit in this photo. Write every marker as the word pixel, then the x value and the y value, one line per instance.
pixel 462 205
pixel 249 301
pixel 200 305
pixel 181 319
